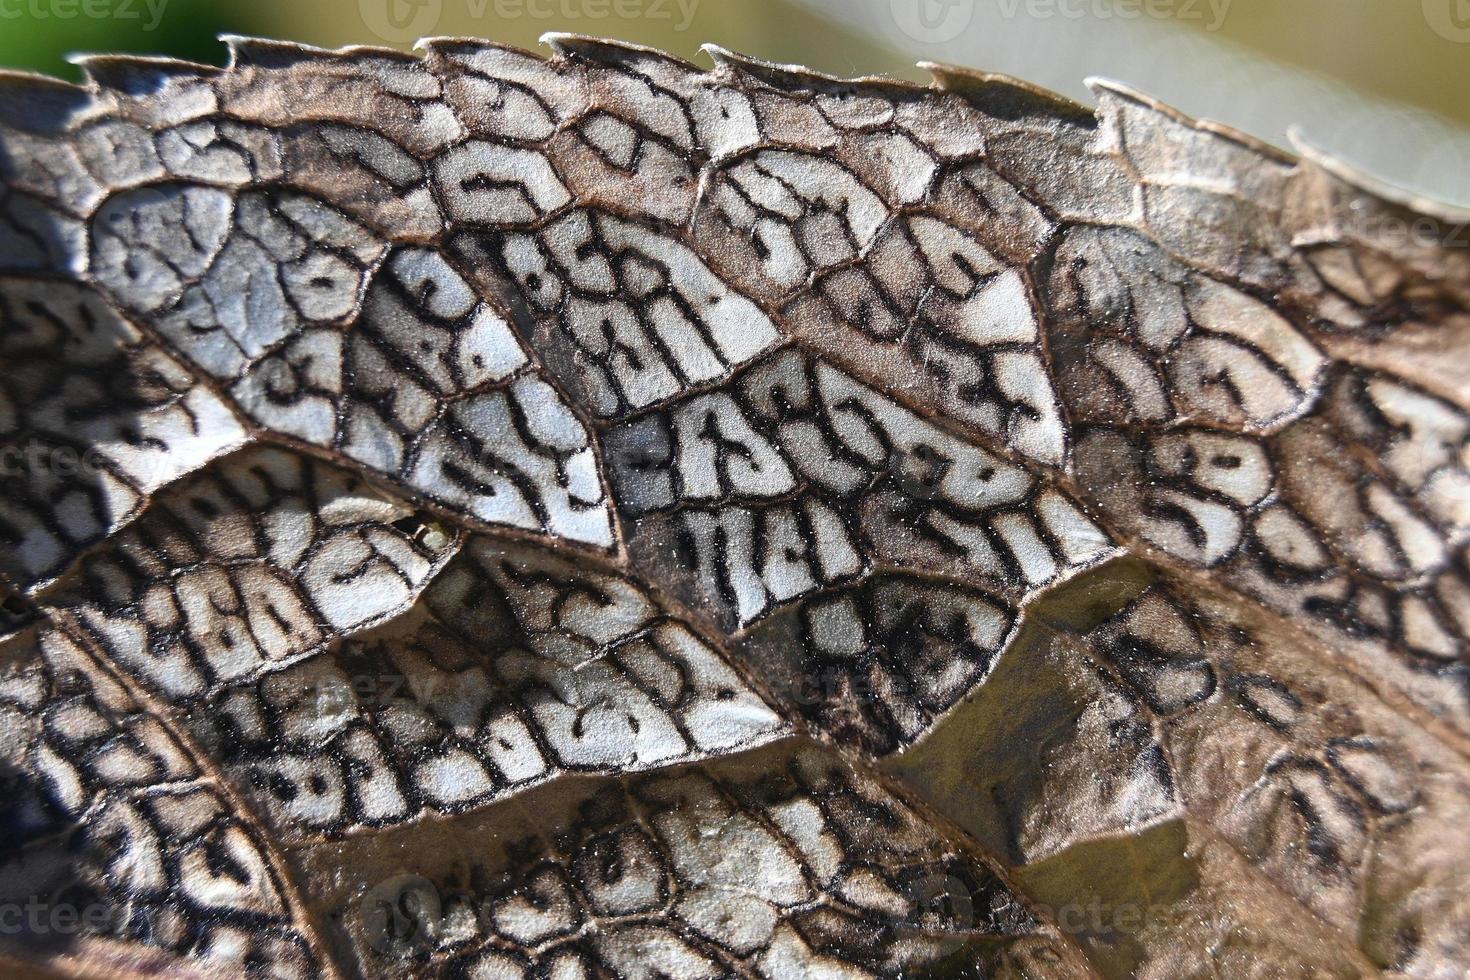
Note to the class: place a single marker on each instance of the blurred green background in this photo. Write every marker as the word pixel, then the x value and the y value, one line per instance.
pixel 38 39
pixel 1383 83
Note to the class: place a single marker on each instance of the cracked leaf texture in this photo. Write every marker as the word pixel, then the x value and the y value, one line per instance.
pixel 474 515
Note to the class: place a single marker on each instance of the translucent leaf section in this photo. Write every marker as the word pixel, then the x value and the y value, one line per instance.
pixel 93 419
pixel 248 568
pixel 783 862
pixel 117 841
pixel 799 477
pixel 324 336
pixel 516 668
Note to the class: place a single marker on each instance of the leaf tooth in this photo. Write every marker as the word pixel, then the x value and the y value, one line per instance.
pixel 244 50
pixel 1005 95
pixel 799 78
pixel 1316 157
pixel 135 74
pixel 725 58
pixel 1112 94
pixel 611 53
pixel 458 47
pixel 269 53
pixel 36 103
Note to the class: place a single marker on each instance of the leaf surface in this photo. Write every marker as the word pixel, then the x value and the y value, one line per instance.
pixel 468 514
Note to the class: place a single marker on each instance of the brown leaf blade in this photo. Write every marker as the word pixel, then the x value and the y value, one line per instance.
pixel 469 514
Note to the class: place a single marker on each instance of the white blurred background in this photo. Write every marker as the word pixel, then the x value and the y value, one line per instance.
pixel 1325 68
